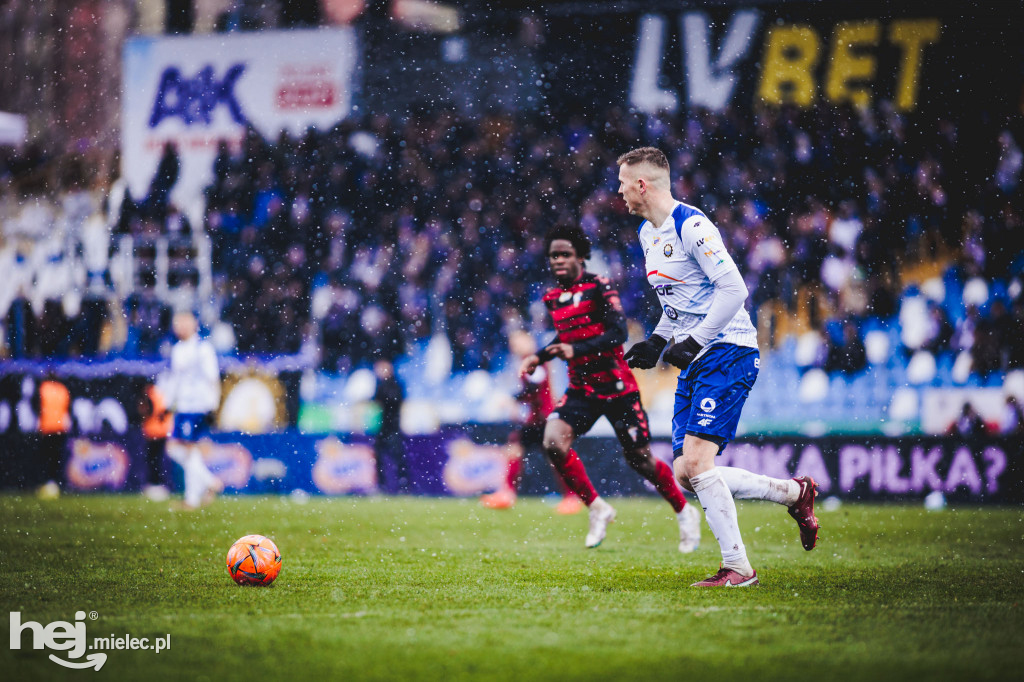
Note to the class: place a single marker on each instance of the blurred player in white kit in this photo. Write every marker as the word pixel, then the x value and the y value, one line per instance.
pixel 192 388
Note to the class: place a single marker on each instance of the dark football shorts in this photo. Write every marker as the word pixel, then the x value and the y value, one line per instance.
pixel 626 414
pixel 529 436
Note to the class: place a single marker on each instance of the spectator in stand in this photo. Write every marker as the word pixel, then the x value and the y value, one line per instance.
pixel 1012 421
pixel 940 332
pixel 989 343
pixel 969 424
pixel 164 179
pixel 148 322
pixel 848 357
pixel 1015 332
pixel 20 326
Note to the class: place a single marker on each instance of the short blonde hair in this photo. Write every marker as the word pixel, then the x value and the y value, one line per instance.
pixel 654 160
pixel 648 155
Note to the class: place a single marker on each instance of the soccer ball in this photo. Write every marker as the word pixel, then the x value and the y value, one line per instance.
pixel 254 560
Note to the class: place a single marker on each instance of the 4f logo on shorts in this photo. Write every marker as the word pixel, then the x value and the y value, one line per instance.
pixel 704 422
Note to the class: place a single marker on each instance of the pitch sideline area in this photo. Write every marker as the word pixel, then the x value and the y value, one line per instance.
pixel 441 589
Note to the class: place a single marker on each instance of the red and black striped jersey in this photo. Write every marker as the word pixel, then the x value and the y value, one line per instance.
pixel 588 315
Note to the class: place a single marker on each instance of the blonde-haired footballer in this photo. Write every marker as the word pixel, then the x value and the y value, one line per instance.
pixel 701 293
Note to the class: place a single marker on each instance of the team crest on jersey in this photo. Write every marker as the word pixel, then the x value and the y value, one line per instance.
pixel 577 297
pixel 667 250
pixel 671 313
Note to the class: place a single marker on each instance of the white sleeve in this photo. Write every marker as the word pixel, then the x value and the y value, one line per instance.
pixel 173 380
pixel 208 358
pixel 730 292
pixel 703 241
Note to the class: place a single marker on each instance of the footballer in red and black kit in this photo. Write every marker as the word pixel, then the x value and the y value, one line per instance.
pixel 591 328
pixel 588 316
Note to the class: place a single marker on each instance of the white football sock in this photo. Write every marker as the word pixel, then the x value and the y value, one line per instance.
pixel 197 478
pixel 746 485
pixel 177 451
pixel 720 512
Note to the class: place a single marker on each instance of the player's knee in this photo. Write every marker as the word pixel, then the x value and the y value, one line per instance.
pixel 690 464
pixel 555 450
pixel 679 469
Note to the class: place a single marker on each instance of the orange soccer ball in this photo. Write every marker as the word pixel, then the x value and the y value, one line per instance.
pixel 254 560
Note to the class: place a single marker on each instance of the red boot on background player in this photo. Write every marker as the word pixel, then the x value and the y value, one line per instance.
pixel 535 398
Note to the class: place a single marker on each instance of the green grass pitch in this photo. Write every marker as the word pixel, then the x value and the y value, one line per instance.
pixel 441 589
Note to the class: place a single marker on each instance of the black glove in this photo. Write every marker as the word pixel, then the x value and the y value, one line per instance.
pixel 644 355
pixel 683 353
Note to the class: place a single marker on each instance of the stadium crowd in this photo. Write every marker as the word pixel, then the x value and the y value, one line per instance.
pixel 368 238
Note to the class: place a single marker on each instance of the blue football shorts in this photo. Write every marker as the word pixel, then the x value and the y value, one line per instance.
pixel 711 393
pixel 190 426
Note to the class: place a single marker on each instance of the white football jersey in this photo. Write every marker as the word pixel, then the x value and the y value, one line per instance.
pixel 193 385
pixel 684 257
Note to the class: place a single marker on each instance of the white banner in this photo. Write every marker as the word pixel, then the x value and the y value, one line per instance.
pixel 197 90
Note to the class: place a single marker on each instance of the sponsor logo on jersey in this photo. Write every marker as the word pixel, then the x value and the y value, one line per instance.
pixel 671 312
pixel 662 274
pixel 667 250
